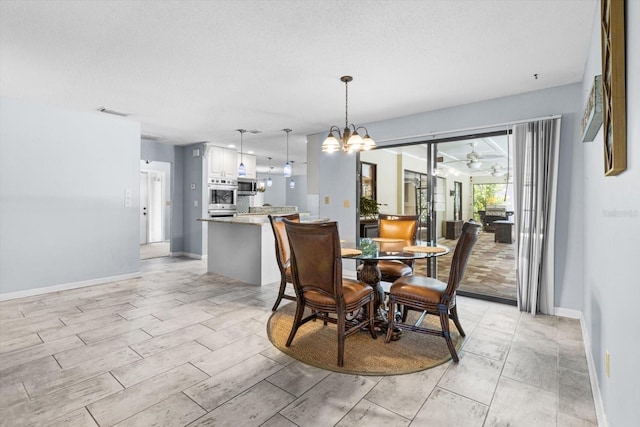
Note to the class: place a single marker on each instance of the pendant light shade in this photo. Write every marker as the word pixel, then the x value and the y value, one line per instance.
pixel 269 181
pixel 287 166
pixel 292 183
pixel 242 171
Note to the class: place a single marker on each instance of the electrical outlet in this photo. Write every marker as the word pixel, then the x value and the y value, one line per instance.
pixel 607 363
pixel 346 203
pixel 326 200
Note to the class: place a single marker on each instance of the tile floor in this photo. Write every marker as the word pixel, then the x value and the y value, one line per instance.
pixel 179 347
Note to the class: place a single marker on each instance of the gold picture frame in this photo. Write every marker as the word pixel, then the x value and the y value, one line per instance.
pixel 613 87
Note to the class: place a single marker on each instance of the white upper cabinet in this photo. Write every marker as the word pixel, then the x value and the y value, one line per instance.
pixel 223 162
pixel 249 161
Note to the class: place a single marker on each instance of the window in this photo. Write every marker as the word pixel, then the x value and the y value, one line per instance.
pixel 368 180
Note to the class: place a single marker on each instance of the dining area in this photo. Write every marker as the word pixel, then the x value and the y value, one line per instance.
pixel 384 300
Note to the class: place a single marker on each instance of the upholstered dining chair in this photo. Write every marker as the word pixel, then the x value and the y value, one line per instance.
pixel 316 267
pixel 402 227
pixel 282 254
pixel 433 296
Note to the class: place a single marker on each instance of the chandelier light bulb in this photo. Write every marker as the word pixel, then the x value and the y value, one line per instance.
pixel 269 182
pixel 292 184
pixel 242 171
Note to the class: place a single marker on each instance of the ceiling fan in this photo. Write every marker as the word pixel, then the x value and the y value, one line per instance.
pixel 473 157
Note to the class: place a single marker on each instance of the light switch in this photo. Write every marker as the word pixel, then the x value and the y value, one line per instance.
pixel 193 185
pixel 195 203
pixel 326 200
pixel 127 198
pixel 346 203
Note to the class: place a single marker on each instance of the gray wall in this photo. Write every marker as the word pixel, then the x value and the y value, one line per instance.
pixel 154 151
pixel 611 234
pixel 63 177
pixel 337 171
pixel 276 195
pixel 196 172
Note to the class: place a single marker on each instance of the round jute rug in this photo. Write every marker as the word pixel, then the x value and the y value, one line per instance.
pixel 317 345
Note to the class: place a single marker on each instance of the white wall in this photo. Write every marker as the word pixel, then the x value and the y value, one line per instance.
pixel 387 179
pixel 611 234
pixel 63 177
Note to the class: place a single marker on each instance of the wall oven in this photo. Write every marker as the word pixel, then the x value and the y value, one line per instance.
pixel 223 194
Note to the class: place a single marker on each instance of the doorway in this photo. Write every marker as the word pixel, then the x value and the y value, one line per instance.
pixel 437 180
pixel 155 209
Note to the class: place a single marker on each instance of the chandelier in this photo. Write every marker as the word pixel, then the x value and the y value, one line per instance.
pixel 349 140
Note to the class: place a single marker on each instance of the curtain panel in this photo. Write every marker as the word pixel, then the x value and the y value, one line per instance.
pixel 536 150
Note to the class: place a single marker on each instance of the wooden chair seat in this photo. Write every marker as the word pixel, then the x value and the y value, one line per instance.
pixel 316 265
pixel 432 296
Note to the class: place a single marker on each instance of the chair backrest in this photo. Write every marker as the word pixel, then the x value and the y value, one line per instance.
pixel 398 227
pixel 466 242
pixel 283 253
pixel 316 261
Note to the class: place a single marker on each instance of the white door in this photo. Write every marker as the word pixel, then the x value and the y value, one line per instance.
pixel 155 213
pixel 144 207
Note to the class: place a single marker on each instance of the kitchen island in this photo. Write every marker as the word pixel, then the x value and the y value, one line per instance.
pixel 242 248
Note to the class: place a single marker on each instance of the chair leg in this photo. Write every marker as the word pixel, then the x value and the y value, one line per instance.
pixel 372 326
pixel 454 316
pixel 391 319
pixel 341 325
pixel 283 285
pixel 444 323
pixel 405 312
pixel 296 322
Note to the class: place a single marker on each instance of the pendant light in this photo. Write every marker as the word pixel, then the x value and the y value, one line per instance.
pixel 292 183
pixel 287 166
pixel 269 181
pixel 242 171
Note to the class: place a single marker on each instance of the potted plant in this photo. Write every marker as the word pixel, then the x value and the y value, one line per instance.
pixel 369 208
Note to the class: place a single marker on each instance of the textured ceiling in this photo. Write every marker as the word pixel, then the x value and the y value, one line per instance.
pixel 193 71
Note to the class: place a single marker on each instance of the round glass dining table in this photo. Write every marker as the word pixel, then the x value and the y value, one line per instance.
pixel 372 250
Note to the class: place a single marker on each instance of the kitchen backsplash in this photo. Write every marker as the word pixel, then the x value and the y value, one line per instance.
pixel 271 209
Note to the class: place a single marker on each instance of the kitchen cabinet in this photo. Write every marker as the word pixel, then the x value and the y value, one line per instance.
pixel 249 161
pixel 223 162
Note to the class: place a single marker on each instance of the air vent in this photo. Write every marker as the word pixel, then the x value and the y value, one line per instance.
pixel 151 137
pixel 114 112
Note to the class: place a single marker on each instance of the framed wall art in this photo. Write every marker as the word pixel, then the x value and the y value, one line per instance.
pixel 613 87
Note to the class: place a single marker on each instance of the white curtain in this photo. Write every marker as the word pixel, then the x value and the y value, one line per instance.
pixel 536 147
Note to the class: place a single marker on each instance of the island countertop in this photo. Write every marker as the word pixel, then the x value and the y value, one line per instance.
pixel 254 220
pixel 257 219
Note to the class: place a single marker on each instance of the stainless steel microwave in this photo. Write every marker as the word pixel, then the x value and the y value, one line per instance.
pixel 247 186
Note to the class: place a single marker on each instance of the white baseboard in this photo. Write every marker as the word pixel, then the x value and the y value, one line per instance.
pixel 194 256
pixel 567 312
pixel 595 386
pixel 66 286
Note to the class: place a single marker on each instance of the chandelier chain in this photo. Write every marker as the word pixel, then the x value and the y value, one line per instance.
pixel 346 105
